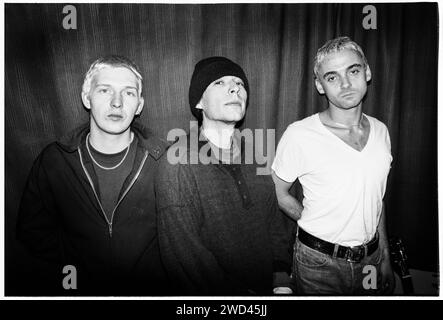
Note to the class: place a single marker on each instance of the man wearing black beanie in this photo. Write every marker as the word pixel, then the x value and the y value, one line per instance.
pixel 205 72
pixel 220 229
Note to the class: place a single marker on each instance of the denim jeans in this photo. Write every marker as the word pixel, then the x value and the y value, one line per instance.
pixel 316 273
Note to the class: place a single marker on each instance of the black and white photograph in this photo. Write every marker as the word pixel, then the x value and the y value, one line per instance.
pixel 265 150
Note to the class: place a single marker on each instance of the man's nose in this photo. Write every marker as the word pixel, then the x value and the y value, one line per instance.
pixel 234 88
pixel 116 100
pixel 345 83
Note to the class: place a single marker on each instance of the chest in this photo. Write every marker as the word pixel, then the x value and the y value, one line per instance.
pixel 233 193
pixel 354 138
pixel 332 161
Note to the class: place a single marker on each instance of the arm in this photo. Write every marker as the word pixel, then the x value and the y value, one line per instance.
pixel 291 206
pixel 282 230
pixel 387 276
pixel 37 228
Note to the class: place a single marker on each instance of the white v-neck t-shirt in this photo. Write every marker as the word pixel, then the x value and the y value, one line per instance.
pixel 343 188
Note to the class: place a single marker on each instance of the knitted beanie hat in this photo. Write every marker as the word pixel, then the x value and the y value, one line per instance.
pixel 207 71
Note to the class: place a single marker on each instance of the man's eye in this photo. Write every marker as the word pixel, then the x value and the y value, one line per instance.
pixel 355 71
pixel 218 82
pixel 130 93
pixel 331 79
pixel 240 83
pixel 103 90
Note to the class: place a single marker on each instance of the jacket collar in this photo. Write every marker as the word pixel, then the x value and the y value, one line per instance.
pixel 155 146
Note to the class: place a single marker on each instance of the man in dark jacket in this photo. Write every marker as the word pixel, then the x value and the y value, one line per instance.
pixel 220 229
pixel 89 200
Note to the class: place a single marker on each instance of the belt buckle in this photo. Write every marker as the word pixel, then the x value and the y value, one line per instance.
pixel 355 254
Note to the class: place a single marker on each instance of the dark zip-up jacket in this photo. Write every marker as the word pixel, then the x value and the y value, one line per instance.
pixel 61 219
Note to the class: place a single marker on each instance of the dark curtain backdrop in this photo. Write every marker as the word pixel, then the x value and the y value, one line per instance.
pixel 274 43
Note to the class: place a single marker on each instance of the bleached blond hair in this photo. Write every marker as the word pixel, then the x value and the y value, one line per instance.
pixel 113 61
pixel 336 45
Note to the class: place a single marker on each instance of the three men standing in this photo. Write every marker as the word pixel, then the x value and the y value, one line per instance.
pixel 90 200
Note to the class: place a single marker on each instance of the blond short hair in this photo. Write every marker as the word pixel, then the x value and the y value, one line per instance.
pixel 336 45
pixel 113 61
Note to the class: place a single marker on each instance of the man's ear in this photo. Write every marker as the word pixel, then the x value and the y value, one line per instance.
pixel 368 74
pixel 319 86
pixel 86 101
pixel 199 105
pixel 140 106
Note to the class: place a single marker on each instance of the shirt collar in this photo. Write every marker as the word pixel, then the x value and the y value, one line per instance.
pixel 226 156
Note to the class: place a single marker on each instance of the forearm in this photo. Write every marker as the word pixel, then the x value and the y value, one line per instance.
pixel 287 203
pixel 291 206
pixel 388 279
pixel 383 237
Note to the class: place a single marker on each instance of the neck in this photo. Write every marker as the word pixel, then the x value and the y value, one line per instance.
pixel 219 133
pixel 351 117
pixel 109 143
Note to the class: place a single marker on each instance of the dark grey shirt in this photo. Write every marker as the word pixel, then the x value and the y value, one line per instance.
pixel 111 181
pixel 220 230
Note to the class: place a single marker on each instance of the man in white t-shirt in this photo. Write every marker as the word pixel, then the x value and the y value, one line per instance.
pixel 342 159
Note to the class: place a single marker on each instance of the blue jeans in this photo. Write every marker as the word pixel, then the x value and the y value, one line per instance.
pixel 316 273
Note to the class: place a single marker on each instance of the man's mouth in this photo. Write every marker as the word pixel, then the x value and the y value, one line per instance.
pixel 115 117
pixel 348 94
pixel 234 103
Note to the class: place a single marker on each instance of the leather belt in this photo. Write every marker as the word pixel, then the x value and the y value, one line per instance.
pixel 351 254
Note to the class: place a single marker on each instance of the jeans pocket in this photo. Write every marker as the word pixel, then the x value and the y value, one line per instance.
pixel 309 257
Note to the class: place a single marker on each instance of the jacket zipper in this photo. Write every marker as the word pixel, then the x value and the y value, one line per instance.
pixel 128 188
pixel 120 200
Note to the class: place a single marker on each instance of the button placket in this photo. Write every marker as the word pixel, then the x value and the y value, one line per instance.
pixel 242 187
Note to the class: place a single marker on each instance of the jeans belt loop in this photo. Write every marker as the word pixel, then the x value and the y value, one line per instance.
pixel 366 250
pixel 348 255
pixel 336 246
